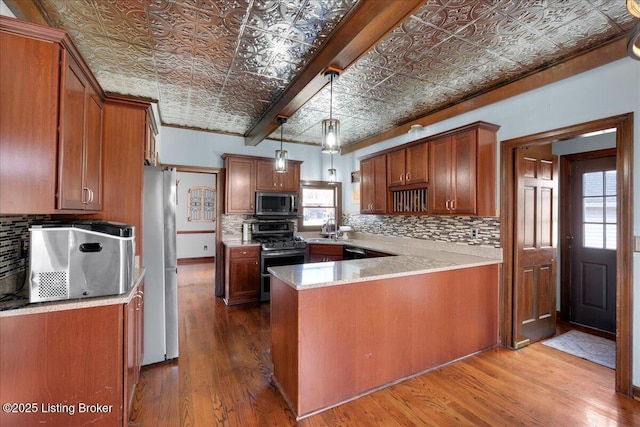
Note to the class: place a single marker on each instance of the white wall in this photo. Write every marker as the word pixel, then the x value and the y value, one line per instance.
pixel 193 245
pixel 606 91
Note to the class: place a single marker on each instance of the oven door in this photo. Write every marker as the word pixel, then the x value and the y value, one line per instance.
pixel 274 258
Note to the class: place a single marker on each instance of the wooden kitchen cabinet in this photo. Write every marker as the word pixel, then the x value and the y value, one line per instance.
pixel 80 144
pixel 408 166
pixel 241 184
pixel 124 134
pixel 267 179
pixel 323 252
pixel 242 274
pixel 85 355
pixel 373 185
pixel 463 171
pixel 133 342
pixel 51 127
pixel 248 174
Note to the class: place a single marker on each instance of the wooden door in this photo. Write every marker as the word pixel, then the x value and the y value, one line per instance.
pixel 417 164
pixel 396 168
pixel 240 189
pixel 92 176
pixel 71 194
pixel 463 173
pixel 440 170
pixel 534 295
pixel 593 243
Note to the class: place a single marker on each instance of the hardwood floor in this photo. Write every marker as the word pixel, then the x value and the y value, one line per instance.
pixel 222 378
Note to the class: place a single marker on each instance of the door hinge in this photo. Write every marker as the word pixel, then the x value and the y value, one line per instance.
pixel 519 344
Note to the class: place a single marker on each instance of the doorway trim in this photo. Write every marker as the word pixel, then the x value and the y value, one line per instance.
pixel 624 257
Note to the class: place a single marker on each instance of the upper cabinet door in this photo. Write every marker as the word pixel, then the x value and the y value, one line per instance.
pixel 290 180
pixel 28 124
pixel 396 168
pixel 240 185
pixel 93 152
pixel 463 173
pixel 71 193
pixel 266 176
pixel 440 191
pixel 80 152
pixel 417 161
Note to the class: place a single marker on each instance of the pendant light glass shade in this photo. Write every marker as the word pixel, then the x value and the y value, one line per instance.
pixel 331 126
pixel 332 173
pixel 633 6
pixel 282 156
pixel 331 136
pixel 332 176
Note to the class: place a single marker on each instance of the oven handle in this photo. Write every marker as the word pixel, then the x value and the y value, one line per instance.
pixel 279 253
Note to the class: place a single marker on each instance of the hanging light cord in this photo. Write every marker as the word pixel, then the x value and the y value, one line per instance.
pixel 281 136
pixel 330 95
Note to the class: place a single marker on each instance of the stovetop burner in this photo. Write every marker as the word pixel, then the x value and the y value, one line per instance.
pixel 269 243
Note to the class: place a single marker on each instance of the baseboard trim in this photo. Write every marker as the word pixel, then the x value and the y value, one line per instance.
pixel 636 392
pixel 202 260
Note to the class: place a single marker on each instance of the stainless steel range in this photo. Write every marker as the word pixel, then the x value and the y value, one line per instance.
pixel 278 247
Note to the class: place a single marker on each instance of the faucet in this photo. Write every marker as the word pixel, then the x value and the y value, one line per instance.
pixel 335 228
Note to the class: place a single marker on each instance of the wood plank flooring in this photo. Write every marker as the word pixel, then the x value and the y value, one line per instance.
pixel 222 378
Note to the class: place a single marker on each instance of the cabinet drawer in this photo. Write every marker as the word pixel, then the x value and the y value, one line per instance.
pixel 244 252
pixel 325 249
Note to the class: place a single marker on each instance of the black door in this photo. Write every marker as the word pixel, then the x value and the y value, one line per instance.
pixel 593 243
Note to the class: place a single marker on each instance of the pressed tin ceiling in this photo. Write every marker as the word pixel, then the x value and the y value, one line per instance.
pixel 220 65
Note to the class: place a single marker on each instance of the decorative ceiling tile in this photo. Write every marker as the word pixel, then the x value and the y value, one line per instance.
pixel 219 65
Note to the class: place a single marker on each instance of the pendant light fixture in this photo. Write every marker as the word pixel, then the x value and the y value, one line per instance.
pixel 281 155
pixel 331 126
pixel 633 6
pixel 332 173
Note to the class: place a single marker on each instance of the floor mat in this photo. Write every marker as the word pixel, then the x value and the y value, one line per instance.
pixel 590 347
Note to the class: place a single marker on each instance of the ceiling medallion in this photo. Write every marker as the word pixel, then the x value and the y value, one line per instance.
pixel 331 126
pixel 281 155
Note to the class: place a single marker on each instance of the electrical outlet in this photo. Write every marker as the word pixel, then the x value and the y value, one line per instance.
pixel 474 233
pixel 206 248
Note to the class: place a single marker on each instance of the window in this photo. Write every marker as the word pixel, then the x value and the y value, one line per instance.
pixel 319 201
pixel 599 209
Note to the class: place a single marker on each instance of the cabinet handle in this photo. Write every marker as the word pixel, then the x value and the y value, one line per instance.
pixel 85 201
pixel 280 184
pixel 401 177
pixel 453 204
pixel 275 184
pixel 244 252
pixel 447 204
pixel 90 196
pixel 408 175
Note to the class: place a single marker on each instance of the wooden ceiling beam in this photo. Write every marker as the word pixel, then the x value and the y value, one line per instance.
pixel 357 33
pixel 597 57
pixel 27 11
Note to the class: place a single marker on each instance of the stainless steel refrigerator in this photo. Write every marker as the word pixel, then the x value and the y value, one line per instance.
pixel 160 259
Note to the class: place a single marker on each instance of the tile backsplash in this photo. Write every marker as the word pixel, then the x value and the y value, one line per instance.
pixel 484 231
pixel 14 242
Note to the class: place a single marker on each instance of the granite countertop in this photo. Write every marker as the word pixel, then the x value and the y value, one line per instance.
pixel 45 307
pixel 413 256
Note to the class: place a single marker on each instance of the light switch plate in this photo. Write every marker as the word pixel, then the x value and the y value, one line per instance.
pixel 636 246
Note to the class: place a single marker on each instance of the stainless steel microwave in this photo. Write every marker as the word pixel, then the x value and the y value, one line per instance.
pixel 276 205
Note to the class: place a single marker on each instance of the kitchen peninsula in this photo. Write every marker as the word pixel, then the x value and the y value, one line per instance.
pixel 343 329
